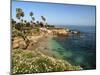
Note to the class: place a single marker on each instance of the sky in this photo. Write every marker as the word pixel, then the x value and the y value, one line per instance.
pixel 57 14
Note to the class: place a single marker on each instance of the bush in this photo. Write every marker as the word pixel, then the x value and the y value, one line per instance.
pixel 24 61
pixel 16 33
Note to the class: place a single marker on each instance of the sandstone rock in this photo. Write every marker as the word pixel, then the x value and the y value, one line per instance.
pixel 15 45
pixel 22 44
pixel 59 31
pixel 18 42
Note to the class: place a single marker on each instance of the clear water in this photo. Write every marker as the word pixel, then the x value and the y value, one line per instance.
pixel 78 50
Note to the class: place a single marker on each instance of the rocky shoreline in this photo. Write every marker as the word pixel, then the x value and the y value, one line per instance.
pixel 38 54
pixel 19 42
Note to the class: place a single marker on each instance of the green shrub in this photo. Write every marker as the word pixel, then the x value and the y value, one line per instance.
pixel 24 61
pixel 16 33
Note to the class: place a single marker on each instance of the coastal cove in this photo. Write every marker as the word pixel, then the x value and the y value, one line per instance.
pixel 69 48
pixel 34 48
pixel 50 37
pixel 77 49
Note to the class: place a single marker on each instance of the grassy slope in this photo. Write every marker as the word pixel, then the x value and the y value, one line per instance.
pixel 25 61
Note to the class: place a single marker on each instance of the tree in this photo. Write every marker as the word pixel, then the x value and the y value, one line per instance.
pixel 19 15
pixel 31 14
pixel 25 21
pixel 33 18
pixel 22 20
pixel 41 24
pixel 37 22
pixel 13 23
pixel 44 19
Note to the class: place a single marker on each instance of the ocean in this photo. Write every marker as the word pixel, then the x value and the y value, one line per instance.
pixel 78 50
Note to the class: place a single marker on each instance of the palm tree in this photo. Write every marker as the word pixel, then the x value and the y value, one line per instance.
pixel 44 19
pixel 13 21
pixel 22 14
pixel 33 18
pixel 25 21
pixel 19 13
pixel 31 14
pixel 22 20
pixel 37 22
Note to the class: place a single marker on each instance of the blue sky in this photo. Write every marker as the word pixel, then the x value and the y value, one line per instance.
pixel 57 14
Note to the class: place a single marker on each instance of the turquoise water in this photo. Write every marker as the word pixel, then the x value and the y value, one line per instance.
pixel 78 50
pixel 58 49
